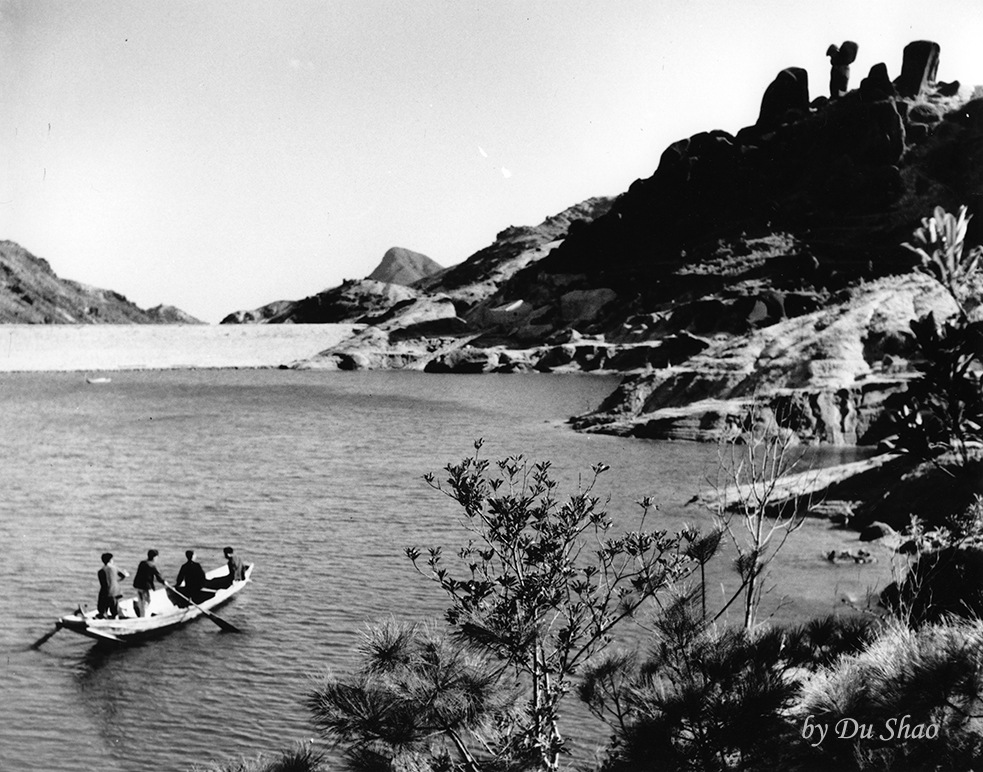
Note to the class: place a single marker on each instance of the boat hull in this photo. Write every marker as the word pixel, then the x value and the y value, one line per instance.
pixel 163 613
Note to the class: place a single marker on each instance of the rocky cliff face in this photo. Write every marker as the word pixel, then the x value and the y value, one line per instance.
pixel 766 265
pixel 31 293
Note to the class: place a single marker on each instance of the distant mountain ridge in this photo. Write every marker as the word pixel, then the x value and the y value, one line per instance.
pixel 31 293
pixel 465 284
pixel 352 300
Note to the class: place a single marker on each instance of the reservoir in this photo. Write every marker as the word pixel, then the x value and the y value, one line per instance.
pixel 317 478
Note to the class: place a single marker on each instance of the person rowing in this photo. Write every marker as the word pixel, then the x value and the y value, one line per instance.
pixel 191 580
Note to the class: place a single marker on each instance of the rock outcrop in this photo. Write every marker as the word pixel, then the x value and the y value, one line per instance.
pixel 829 371
pixel 31 293
pixel 840 59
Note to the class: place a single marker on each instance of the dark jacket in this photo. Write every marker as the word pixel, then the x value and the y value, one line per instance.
pixel 109 577
pixel 192 575
pixel 146 574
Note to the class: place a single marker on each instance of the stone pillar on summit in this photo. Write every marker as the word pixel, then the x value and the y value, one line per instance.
pixel 918 70
pixel 877 85
pixel 840 59
pixel 788 91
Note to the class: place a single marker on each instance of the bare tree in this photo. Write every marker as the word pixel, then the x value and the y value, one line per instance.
pixel 760 499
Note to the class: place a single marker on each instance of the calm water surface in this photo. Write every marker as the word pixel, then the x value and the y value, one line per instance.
pixel 317 478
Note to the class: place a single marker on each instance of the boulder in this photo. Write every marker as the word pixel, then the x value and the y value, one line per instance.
pixel 466 359
pixel 925 112
pixel 877 85
pixel 948 89
pixel 918 69
pixel 514 362
pixel 850 556
pixel 556 356
pixel 788 91
pixel 877 530
pixel 768 308
pixel 346 360
pixel 591 356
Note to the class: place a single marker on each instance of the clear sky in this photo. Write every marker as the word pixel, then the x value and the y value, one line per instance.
pixel 218 155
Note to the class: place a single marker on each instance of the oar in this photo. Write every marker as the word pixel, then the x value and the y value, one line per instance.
pixel 40 641
pixel 227 626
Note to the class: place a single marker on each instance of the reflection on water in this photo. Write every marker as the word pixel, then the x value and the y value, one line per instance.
pixel 107 693
pixel 192 677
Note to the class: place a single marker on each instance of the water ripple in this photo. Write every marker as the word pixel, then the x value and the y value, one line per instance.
pixel 316 477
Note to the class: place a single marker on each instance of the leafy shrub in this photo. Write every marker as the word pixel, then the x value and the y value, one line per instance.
pixel 944 410
pixel 538 591
pixel 940 245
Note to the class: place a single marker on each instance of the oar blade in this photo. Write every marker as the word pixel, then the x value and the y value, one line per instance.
pixel 44 638
pixel 227 626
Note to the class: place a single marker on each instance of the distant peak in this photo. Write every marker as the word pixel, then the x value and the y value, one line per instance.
pixel 403 266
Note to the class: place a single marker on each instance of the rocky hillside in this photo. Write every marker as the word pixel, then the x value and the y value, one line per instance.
pixel 31 293
pixel 767 264
pixel 433 325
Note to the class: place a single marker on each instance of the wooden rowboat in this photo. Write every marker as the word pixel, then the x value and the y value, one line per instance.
pixel 165 611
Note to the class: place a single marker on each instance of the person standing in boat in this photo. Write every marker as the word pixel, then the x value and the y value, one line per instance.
pixel 191 578
pixel 147 574
pixel 237 571
pixel 109 589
